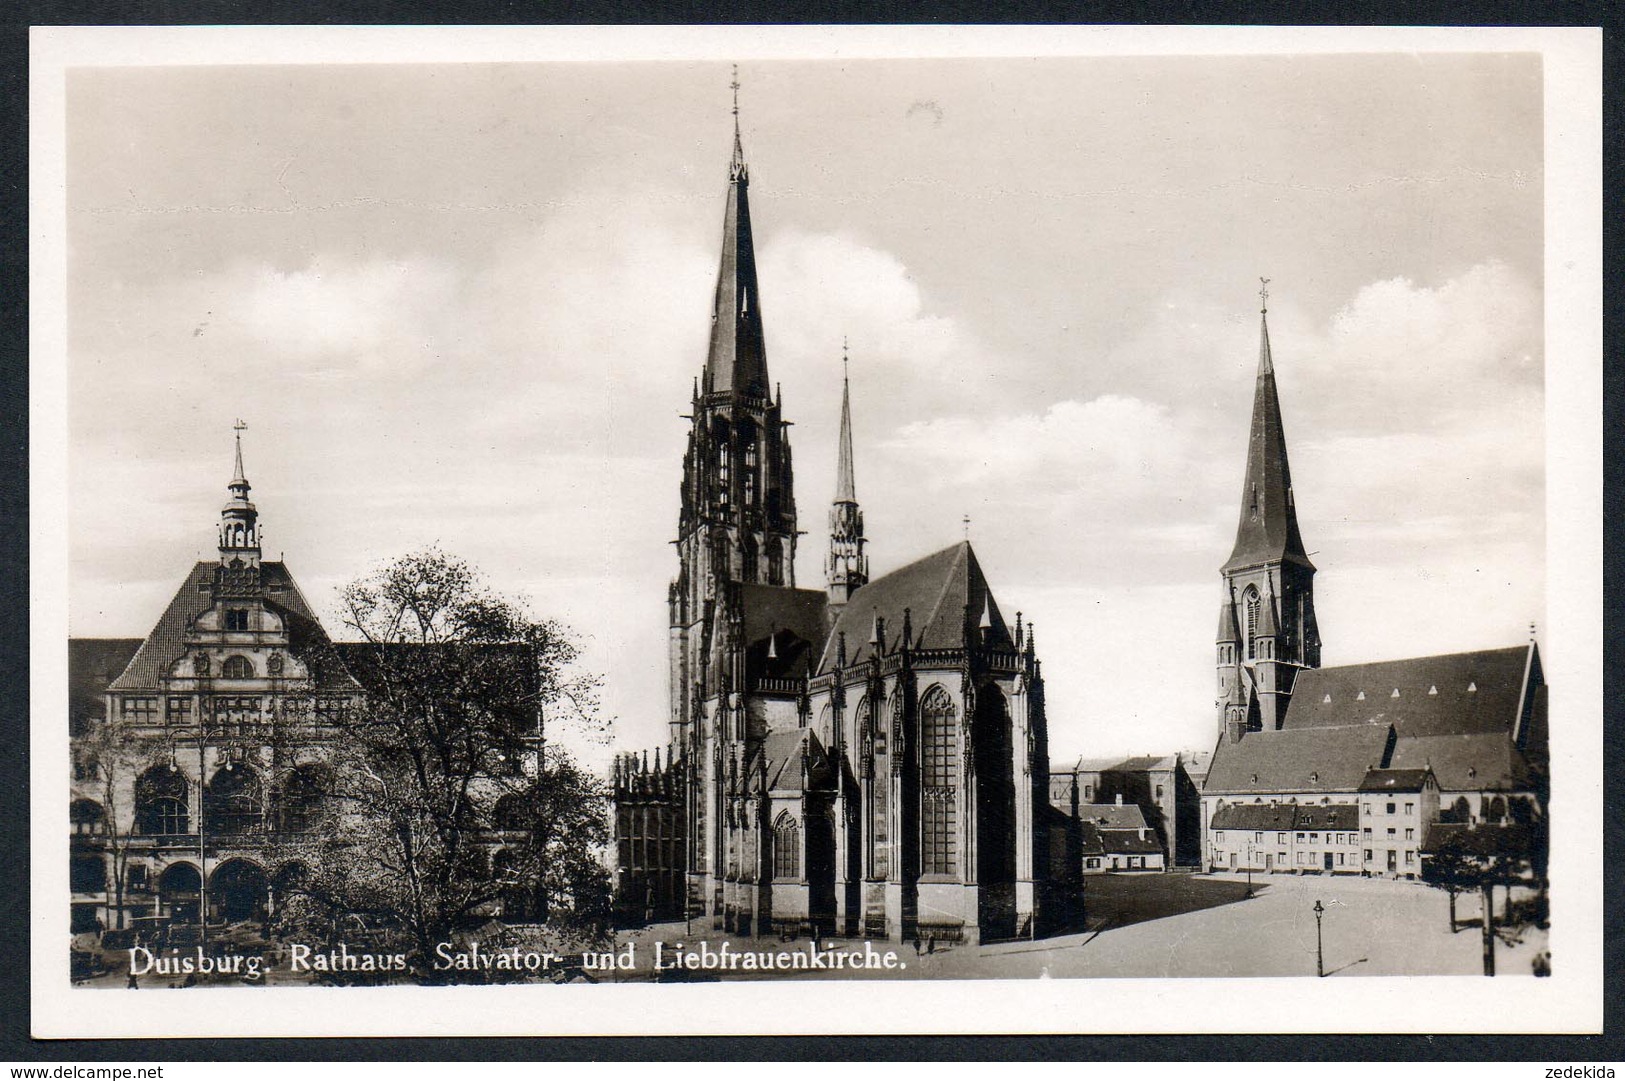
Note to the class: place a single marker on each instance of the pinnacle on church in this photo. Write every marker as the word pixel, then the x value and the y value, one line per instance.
pixel 737 359
pixel 1268 525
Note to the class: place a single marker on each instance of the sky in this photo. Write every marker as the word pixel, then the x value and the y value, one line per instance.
pixel 463 305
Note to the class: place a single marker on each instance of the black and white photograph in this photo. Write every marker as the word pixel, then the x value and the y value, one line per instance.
pixel 901 521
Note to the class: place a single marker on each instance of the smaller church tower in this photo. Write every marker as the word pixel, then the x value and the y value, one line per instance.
pixel 1267 631
pixel 239 521
pixel 847 566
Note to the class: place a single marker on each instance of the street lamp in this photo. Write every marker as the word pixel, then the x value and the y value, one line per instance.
pixel 1251 855
pixel 1320 956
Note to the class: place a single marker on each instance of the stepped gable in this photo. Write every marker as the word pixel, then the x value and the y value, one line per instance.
pixel 276 587
pixel 937 589
pixel 1300 760
pixel 1434 696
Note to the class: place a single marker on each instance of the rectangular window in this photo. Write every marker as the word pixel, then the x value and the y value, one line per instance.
pixel 1301 856
pixel 1368 854
pixel 236 619
pixel 1159 793
pixel 1314 838
pixel 1281 856
pixel 1219 836
pixel 1390 831
pixel 1390 808
pixel 1280 838
pixel 1410 858
pixel 1340 859
pixel 1410 808
pixel 1300 836
pixel 1410 834
pixel 1258 838
pixel 1088 793
pixel 141 710
pixel 179 709
pixel 1366 833
pixel 135 876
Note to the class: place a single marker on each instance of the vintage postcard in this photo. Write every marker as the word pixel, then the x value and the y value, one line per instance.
pixel 822 530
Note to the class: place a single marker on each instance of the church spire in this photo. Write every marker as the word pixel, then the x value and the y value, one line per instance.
pixel 1268 526
pixel 847 565
pixel 845 486
pixel 737 360
pixel 239 520
pixel 1267 630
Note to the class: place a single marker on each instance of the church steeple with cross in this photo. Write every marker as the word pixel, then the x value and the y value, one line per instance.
pixel 1267 629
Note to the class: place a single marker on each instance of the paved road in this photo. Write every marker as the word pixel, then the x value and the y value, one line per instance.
pixel 1205 925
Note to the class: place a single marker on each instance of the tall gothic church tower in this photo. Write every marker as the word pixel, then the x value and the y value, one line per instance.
pixel 1267 630
pixel 737 523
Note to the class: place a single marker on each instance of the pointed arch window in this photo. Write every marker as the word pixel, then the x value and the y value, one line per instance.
pixel 1250 602
pixel 939 770
pixel 775 562
pixel 786 848
pixel 747 447
pixel 747 556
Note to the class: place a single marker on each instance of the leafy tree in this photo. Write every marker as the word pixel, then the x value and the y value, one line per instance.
pixel 1449 868
pixel 452 810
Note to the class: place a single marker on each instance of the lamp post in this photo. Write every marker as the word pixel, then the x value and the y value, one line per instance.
pixel 1251 855
pixel 1320 956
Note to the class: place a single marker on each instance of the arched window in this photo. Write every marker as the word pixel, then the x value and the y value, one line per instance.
pixel 237 667
pixel 747 447
pixel 234 803
pixel 939 776
pixel 160 802
pixel 775 562
pixel 299 804
pixel 747 558
pixel 786 848
pixel 724 457
pixel 1250 602
pixel 85 815
pixel 511 813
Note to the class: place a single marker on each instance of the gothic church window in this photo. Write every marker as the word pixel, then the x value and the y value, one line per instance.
pixel 747 442
pixel 786 848
pixel 1250 600
pixel 747 555
pixel 939 769
pixel 775 562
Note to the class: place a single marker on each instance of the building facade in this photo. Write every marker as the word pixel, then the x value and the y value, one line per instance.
pixel 866 757
pixel 202 755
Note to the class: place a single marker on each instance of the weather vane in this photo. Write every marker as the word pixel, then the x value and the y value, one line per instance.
pixel 1264 294
pixel 241 425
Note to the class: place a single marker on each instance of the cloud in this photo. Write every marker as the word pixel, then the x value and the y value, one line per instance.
pixel 1110 444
